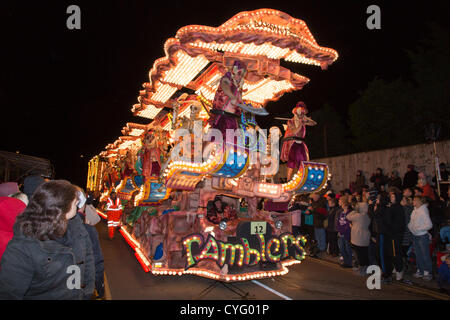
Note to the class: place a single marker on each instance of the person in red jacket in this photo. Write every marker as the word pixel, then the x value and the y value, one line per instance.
pixel 10 208
pixel 428 191
pixel 114 212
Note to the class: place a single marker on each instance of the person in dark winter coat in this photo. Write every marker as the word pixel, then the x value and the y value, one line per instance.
pixel 359 183
pixel 408 207
pixel 411 177
pixel 98 258
pixel 394 181
pixel 319 212
pixel 378 179
pixel 332 234
pixel 50 255
pixel 377 213
pixel 392 229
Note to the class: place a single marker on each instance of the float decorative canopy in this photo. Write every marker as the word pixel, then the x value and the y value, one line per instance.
pixel 198 56
pixel 134 129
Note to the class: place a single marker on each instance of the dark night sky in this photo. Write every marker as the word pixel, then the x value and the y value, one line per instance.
pixel 66 93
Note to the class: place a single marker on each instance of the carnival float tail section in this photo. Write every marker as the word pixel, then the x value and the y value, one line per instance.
pixel 198 186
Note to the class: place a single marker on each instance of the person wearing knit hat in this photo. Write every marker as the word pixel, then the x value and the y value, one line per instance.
pixel 8 188
pixel 31 183
pixel 294 150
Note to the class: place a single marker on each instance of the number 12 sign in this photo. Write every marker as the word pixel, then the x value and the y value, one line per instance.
pixel 258 227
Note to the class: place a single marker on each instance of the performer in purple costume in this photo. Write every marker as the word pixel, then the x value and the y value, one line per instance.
pixel 294 152
pixel 227 98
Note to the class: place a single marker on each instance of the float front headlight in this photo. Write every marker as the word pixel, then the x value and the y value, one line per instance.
pixel 223 225
pixel 278 224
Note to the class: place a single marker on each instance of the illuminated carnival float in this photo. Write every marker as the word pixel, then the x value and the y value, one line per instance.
pixel 199 214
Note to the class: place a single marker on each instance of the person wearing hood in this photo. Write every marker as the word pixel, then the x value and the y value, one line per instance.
pixel 393 227
pixel 360 235
pixel 419 225
pixel 50 255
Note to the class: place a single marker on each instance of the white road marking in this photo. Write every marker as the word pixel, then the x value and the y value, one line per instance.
pixel 271 290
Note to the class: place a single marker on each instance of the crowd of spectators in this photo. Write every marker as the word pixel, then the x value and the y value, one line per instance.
pixel 401 225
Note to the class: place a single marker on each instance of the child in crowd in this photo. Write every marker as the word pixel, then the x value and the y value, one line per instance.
pixel 444 275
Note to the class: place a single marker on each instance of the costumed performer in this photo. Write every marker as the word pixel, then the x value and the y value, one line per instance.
pixel 225 111
pixel 294 150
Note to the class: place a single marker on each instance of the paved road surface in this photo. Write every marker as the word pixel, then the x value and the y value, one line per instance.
pixel 311 279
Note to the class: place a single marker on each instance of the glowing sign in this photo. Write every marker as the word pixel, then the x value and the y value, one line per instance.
pixel 274 250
